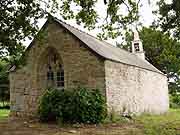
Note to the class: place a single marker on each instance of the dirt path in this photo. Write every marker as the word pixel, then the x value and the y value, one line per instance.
pixel 34 128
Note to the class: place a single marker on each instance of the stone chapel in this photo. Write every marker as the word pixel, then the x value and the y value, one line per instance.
pixel 67 57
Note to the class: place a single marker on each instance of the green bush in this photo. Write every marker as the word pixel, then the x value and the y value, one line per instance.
pixel 79 105
pixel 175 101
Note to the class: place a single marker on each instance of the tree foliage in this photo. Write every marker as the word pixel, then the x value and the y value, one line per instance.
pixel 163 52
pixel 169 19
pixel 18 21
pixel 19 18
pixel 4 82
pixel 3 72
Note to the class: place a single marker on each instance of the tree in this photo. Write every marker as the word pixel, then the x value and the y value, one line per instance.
pixel 19 19
pixel 161 51
pixel 169 19
pixel 4 83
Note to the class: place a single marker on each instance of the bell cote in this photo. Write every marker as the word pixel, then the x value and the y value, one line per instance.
pixel 137 47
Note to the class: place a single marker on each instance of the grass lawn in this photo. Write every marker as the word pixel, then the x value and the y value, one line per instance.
pixel 166 124
pixel 4 113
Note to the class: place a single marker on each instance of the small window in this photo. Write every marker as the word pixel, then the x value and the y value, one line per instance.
pixel 50 74
pixel 60 78
pixel 136 46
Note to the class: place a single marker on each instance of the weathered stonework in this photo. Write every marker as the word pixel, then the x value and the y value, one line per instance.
pixel 131 89
pixel 127 88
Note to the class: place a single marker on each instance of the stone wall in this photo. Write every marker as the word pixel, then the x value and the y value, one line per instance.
pixel 131 89
pixel 81 67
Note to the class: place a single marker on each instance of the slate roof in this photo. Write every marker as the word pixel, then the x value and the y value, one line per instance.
pixel 107 50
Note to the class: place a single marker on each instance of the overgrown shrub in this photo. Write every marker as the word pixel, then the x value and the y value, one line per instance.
pixel 80 105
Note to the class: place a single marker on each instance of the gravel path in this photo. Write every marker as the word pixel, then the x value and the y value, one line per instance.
pixel 15 127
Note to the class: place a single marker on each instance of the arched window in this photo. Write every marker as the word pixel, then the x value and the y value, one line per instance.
pixel 51 71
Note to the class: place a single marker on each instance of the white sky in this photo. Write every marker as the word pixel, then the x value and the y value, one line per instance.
pixel 145 13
